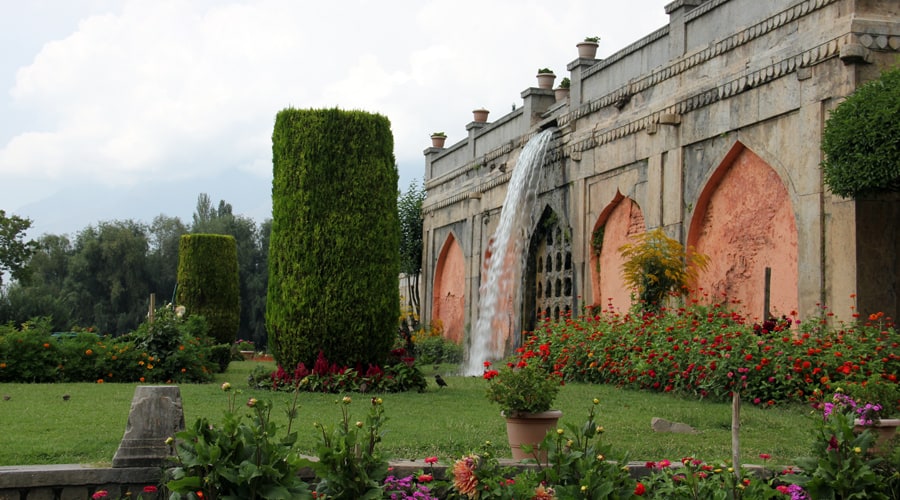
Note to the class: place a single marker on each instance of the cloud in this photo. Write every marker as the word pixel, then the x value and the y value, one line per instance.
pixel 185 89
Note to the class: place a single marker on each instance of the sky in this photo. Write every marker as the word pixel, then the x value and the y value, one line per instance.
pixel 129 109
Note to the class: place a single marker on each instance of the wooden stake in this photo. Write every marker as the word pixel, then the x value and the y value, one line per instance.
pixel 735 433
pixel 152 314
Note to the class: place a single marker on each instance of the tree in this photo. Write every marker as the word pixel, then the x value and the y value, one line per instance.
pixel 162 259
pixel 409 208
pixel 657 265
pixel 14 250
pixel 333 257
pixel 108 279
pixel 861 141
pixel 208 283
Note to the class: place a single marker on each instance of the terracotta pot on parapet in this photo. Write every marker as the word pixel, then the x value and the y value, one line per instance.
pixel 480 115
pixel 587 50
pixel 545 80
pixel 437 140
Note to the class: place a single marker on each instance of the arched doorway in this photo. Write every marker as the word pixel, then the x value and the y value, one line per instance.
pixel 615 226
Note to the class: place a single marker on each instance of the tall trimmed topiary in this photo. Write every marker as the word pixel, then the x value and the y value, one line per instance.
pixel 861 141
pixel 208 282
pixel 334 248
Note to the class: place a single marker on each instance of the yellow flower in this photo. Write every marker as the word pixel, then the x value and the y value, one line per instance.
pixel 857 450
pixel 346 400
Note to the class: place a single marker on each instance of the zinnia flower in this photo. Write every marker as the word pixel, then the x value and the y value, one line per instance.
pixel 464 480
pixel 542 493
pixel 640 489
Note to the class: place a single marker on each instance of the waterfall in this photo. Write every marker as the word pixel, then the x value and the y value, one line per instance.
pixel 500 294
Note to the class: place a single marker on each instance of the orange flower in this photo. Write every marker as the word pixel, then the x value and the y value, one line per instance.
pixel 542 493
pixel 99 380
pixel 46 345
pixel 89 352
pixel 464 479
pixel 2 365
pixel 141 379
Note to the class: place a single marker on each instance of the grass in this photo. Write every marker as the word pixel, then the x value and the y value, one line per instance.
pixel 39 427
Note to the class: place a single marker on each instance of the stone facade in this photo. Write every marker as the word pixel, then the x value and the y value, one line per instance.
pixel 710 128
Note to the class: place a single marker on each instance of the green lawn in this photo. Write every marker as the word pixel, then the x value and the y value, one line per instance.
pixel 38 427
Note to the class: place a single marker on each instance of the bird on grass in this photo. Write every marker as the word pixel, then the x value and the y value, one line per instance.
pixel 6 397
pixel 440 381
pixel 66 397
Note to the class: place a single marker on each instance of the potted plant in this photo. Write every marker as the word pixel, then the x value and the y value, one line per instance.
pixel 562 91
pixel 437 139
pixel 877 407
pixel 480 115
pixel 545 78
pixel 588 48
pixel 525 394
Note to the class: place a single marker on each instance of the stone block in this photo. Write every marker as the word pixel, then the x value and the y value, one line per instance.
pixel 156 415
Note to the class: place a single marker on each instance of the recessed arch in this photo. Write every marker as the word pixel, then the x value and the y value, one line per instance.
pixel 449 298
pixel 744 222
pixel 621 219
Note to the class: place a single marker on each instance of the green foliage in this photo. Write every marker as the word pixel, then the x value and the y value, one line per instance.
pixel 409 208
pixel 860 142
pixel 349 464
pixel 208 282
pixel 220 356
pixel 333 255
pixel 565 83
pixel 169 350
pixel 581 465
pixel 545 71
pixel 657 265
pixel 840 466
pixel 434 349
pixel 524 388
pixel 14 250
pixel 108 278
pixel 237 459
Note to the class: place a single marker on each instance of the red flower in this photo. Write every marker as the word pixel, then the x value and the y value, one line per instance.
pixel 425 478
pixel 639 490
pixel 150 489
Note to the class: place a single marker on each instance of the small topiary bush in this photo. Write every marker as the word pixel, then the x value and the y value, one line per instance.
pixel 861 141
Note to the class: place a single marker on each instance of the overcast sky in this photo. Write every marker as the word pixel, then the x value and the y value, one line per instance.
pixel 130 109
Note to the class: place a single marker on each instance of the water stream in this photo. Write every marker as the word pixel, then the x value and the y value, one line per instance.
pixel 501 284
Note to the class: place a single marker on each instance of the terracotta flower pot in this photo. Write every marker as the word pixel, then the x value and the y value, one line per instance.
pixel 587 50
pixel 480 115
pixel 561 94
pixel 437 141
pixel 530 428
pixel 885 430
pixel 545 80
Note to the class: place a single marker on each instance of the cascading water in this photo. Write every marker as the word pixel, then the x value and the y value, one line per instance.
pixel 505 258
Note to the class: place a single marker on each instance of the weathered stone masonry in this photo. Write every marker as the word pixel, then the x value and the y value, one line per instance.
pixel 710 128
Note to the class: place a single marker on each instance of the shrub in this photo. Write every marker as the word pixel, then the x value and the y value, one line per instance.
pixel 862 153
pixel 657 265
pixel 208 282
pixel 436 349
pixel 333 258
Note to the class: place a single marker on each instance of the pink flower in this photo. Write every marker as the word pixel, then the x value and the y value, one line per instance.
pixel 431 460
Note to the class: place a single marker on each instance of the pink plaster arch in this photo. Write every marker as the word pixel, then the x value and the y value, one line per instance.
pixel 620 219
pixel 449 299
pixel 744 221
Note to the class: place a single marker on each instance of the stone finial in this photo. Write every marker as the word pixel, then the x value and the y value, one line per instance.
pixel 156 415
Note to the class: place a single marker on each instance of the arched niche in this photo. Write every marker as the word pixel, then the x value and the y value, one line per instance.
pixel 621 219
pixel 449 298
pixel 744 222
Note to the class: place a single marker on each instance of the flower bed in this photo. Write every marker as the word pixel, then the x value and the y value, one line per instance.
pixel 708 351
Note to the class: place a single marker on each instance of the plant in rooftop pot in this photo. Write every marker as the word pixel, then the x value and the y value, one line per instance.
pixel 562 92
pixel 525 394
pixel 545 78
pixel 480 115
pixel 437 139
pixel 588 48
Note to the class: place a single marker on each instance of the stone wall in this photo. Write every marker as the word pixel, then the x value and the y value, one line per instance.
pixel 691 129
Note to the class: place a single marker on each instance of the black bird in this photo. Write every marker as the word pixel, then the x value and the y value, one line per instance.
pixel 440 381
pixel 65 397
pixel 6 397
